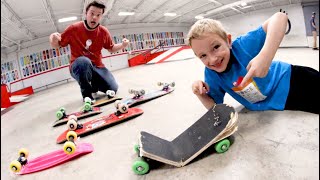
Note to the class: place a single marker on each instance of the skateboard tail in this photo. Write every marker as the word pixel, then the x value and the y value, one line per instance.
pixel 54 158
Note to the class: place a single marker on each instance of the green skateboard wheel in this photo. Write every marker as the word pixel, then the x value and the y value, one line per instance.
pixel 136 148
pixel 222 146
pixel 140 166
pixel 63 110
pixel 59 114
pixel 87 107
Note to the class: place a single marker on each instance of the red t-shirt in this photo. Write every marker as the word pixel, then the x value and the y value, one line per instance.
pixel 86 43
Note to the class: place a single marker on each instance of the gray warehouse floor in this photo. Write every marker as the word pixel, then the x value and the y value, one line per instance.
pixel 268 145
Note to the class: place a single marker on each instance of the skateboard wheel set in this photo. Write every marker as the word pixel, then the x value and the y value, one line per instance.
pixel 136 92
pixel 121 107
pixel 110 93
pixel 61 113
pixel 87 104
pixel 15 166
pixel 72 122
pixel 69 146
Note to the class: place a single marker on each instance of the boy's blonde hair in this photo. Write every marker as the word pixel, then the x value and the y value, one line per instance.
pixel 206 26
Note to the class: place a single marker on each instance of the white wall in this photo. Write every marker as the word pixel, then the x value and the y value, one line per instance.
pixel 240 24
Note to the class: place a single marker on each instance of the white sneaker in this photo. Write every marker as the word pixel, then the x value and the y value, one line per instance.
pixel 94 95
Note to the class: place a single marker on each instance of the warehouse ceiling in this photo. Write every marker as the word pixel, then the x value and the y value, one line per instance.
pixel 28 22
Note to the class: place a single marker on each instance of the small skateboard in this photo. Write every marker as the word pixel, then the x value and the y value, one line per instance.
pixel 123 113
pixel 214 127
pixel 101 101
pixel 70 150
pixel 89 109
pixel 140 96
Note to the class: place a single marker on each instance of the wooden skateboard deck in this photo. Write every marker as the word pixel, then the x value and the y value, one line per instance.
pixel 54 158
pixel 218 123
pixel 104 101
pixel 101 123
pixel 79 115
pixel 146 97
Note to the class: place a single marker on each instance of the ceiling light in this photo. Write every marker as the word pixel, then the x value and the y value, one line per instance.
pixel 170 14
pixel 125 13
pixel 199 17
pixel 243 3
pixel 67 19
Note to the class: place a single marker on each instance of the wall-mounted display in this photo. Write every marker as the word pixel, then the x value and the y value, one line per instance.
pixel 144 41
pixel 44 60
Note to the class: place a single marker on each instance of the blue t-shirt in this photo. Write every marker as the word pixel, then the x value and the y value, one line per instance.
pixel 274 87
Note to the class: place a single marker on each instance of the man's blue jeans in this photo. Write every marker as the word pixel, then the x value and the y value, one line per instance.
pixel 91 78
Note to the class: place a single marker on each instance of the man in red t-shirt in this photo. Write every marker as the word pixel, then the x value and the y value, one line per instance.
pixel 86 39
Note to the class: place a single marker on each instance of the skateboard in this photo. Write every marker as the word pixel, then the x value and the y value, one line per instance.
pixel 140 96
pixel 123 113
pixel 101 101
pixel 70 150
pixel 86 111
pixel 89 108
pixel 214 127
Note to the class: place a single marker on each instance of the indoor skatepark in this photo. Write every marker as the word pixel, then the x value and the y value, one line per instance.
pixel 284 144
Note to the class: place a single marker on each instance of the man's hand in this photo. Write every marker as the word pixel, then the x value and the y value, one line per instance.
pixel 54 39
pixel 125 42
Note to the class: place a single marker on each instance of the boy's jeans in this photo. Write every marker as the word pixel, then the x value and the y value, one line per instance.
pixel 91 78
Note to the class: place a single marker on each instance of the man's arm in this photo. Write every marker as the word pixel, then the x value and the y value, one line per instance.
pixel 119 46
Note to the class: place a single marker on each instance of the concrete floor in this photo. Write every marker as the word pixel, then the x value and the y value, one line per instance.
pixel 268 145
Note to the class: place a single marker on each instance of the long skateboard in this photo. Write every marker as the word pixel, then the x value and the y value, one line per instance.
pixel 100 123
pixel 70 151
pixel 213 127
pixel 140 96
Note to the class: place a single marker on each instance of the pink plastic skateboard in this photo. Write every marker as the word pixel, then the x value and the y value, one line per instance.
pixel 51 159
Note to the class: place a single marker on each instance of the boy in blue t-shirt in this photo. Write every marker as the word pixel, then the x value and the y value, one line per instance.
pixel 245 68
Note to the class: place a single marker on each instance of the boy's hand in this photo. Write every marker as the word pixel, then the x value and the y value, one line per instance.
pixel 125 42
pixel 257 67
pixel 200 88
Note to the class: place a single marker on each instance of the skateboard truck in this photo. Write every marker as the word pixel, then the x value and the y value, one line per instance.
pixel 121 108
pixel 73 123
pixel 110 94
pixel 61 113
pixel 137 93
pixel 16 165
pixel 165 86
pixel 69 146
pixel 87 104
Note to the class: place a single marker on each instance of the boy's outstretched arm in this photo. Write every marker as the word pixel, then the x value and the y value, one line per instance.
pixel 275 28
pixel 200 89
